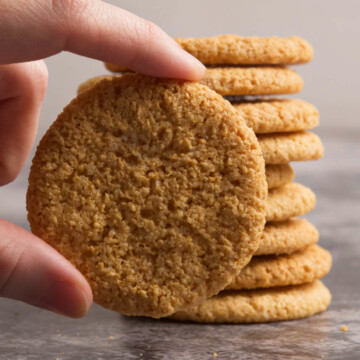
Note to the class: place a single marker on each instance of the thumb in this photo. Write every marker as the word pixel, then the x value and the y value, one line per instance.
pixel 33 272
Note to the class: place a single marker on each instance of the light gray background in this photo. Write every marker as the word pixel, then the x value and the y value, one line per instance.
pixel 331 83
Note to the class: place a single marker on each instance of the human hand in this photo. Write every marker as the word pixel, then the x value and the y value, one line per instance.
pixel 30 270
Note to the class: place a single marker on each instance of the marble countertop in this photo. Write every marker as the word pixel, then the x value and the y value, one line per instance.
pixel 30 333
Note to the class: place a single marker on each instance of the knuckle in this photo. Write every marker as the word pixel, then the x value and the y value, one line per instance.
pixel 147 32
pixel 20 79
pixel 70 9
pixel 69 14
pixel 38 76
pixel 22 88
pixel 39 69
pixel 139 30
pixel 149 29
pixel 10 260
pixel 10 272
pixel 11 77
pixel 10 166
pixel 142 34
pixel 77 7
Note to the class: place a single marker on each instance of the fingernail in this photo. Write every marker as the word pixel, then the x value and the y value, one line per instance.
pixel 68 299
pixel 198 67
pixel 86 304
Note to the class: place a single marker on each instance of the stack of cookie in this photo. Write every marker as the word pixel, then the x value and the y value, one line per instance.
pixel 155 189
pixel 281 281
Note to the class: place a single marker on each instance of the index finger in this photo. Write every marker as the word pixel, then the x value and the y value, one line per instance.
pixel 38 29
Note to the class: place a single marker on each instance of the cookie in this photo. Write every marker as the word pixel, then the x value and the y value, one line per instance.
pixel 289 201
pixel 154 189
pixel 276 175
pixel 279 175
pixel 263 116
pixel 287 237
pixel 282 148
pixel 301 267
pixel 278 115
pixel 252 80
pixel 239 50
pixel 90 83
pixel 260 305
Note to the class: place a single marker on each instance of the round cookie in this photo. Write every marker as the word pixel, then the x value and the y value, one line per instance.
pixel 301 267
pixel 279 175
pixel 154 189
pixel 239 50
pixel 278 115
pixel 289 201
pixel 287 237
pixel 252 80
pixel 260 305
pixel 282 148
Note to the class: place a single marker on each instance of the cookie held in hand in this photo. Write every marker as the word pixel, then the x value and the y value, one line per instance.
pixel 154 189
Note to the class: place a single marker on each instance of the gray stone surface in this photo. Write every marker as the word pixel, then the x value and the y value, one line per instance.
pixel 30 333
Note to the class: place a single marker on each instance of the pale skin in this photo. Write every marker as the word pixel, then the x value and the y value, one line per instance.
pixel 30 270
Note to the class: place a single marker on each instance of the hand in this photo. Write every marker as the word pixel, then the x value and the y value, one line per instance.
pixel 30 270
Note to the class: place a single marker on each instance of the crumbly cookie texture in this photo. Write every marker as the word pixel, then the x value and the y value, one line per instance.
pixel 90 83
pixel 279 175
pixel 260 305
pixel 289 201
pixel 252 80
pixel 154 189
pixel 282 148
pixel 263 116
pixel 298 268
pixel 278 115
pixel 287 237
pixel 243 80
pixel 239 50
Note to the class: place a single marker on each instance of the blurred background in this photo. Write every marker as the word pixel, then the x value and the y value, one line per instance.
pixel 331 79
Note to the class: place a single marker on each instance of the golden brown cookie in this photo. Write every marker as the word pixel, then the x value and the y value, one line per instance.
pixel 245 80
pixel 282 148
pixel 263 116
pixel 278 115
pixel 154 189
pixel 260 305
pixel 90 83
pixel 279 175
pixel 289 201
pixel 287 237
pixel 239 50
pixel 301 267
pixel 252 80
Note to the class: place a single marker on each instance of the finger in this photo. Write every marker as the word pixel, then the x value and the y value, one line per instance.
pixel 95 29
pixel 22 89
pixel 33 272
